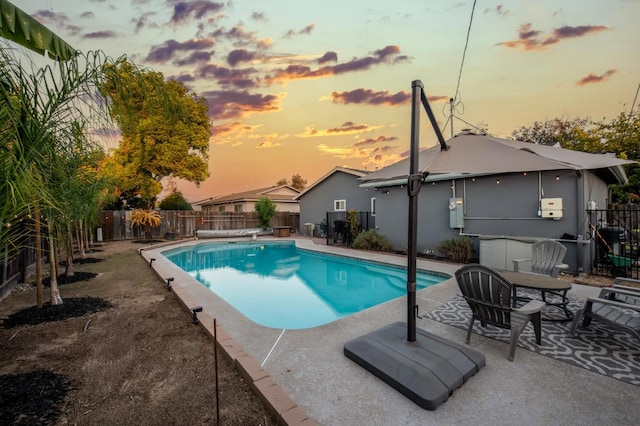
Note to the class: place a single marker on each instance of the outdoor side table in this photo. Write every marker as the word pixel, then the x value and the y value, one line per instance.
pixel 545 285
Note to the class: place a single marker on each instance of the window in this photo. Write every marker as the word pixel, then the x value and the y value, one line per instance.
pixel 339 205
pixel 373 206
pixel 237 208
pixel 220 208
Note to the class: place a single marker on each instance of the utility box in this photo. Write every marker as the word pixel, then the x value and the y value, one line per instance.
pixel 551 208
pixel 456 213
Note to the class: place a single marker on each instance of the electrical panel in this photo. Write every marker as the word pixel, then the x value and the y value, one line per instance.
pixel 551 208
pixel 456 213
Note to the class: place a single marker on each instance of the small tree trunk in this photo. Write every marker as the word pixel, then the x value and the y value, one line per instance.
pixel 53 271
pixel 38 242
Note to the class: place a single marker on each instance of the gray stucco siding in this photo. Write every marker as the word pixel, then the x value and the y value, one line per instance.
pixel 315 203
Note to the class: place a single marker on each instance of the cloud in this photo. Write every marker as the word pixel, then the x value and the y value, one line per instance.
pixel 268 144
pixel 194 58
pixel 182 78
pixel 88 15
pixel 259 16
pixel 238 56
pixel 592 78
pixel 239 78
pixel 56 20
pixel 100 35
pixel 389 54
pixel 184 9
pixel 375 141
pixel 529 39
pixel 328 57
pixel 165 52
pixel 306 30
pixel 227 104
pixel 499 10
pixel 230 128
pixel 368 96
pixel 347 128
pixel 239 37
pixel 343 152
pixel 143 21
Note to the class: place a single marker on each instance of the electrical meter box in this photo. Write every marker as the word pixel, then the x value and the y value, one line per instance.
pixel 456 213
pixel 551 208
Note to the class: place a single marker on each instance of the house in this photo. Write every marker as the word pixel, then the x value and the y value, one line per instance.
pixel 333 195
pixel 283 196
pixel 504 194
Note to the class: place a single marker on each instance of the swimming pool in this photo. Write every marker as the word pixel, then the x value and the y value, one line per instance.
pixel 279 285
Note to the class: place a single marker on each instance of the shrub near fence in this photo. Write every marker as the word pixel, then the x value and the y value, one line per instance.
pixel 116 224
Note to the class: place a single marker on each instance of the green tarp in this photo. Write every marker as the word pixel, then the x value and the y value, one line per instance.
pixel 17 26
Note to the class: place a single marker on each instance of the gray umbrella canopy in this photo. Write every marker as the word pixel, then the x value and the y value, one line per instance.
pixel 16 25
pixel 473 154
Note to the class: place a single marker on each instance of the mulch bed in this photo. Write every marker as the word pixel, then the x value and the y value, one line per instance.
pixel 70 308
pixel 18 404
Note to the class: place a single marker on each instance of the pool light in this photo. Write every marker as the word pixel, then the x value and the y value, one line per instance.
pixel 194 312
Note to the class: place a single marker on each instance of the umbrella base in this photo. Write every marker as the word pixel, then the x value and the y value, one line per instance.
pixel 426 371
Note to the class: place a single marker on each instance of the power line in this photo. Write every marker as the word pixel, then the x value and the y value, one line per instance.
pixel 626 124
pixel 464 52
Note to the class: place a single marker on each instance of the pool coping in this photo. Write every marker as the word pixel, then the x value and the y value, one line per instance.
pixel 277 401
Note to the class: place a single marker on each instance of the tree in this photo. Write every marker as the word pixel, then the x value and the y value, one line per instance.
pixel 620 136
pixel 571 134
pixel 175 201
pixel 297 182
pixel 146 219
pixel 165 131
pixel 265 208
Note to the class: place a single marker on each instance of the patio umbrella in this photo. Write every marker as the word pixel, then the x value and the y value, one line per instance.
pixel 471 154
pixel 425 368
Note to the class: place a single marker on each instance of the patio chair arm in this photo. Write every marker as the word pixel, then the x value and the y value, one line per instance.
pixel 559 267
pixel 518 263
pixel 620 295
pixel 531 307
pixel 619 281
pixel 621 305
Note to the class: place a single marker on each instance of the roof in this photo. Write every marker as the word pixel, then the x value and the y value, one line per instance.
pixel 338 169
pixel 280 193
pixel 475 155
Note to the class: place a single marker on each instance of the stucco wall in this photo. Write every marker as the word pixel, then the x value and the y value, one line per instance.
pixel 509 208
pixel 315 203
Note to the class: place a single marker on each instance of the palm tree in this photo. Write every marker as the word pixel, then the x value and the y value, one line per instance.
pixel 40 111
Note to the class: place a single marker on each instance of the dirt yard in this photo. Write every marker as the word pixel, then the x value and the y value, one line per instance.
pixel 127 353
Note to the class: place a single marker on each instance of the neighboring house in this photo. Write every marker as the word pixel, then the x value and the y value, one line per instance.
pixel 337 191
pixel 283 196
pixel 197 205
pixel 504 194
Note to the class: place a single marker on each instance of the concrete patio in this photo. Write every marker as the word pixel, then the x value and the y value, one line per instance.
pixel 309 365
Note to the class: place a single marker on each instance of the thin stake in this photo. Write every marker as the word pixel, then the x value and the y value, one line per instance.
pixel 215 363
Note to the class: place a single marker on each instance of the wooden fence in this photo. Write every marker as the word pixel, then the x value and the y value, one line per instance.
pixel 116 224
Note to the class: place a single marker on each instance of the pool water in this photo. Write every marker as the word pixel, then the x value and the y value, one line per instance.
pixel 281 286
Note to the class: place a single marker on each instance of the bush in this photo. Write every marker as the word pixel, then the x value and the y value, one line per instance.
pixel 175 201
pixel 353 219
pixel 265 208
pixel 371 240
pixel 459 249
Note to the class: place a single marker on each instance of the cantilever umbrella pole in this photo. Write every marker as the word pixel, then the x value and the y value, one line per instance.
pixel 414 181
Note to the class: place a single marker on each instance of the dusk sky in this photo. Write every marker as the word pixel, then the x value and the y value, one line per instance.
pixel 301 87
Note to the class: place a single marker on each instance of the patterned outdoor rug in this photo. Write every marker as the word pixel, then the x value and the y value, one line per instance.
pixel 597 348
